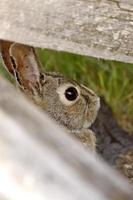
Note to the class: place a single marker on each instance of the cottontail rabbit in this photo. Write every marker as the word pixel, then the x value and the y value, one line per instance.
pixel 72 105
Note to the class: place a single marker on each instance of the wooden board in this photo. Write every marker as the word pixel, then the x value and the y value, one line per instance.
pixel 39 161
pixel 98 28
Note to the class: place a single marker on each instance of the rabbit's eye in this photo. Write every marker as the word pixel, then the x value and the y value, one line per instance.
pixel 71 93
pixel 68 94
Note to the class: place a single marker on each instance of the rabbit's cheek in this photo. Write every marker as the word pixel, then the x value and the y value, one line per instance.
pixel 72 109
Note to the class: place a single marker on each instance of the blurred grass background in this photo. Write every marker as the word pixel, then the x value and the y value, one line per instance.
pixel 113 80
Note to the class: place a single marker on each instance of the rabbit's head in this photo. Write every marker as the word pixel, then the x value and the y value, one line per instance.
pixel 70 104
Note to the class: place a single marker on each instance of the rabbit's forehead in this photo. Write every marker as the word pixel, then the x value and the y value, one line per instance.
pixel 60 81
pixel 53 82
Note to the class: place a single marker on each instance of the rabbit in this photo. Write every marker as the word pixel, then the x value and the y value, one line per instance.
pixel 72 105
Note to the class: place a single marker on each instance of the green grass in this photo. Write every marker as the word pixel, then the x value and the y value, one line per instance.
pixel 113 80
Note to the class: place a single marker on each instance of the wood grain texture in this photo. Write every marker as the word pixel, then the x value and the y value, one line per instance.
pixel 39 161
pixel 98 28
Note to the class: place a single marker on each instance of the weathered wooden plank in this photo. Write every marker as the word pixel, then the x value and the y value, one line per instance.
pixel 99 28
pixel 39 161
pixel 126 2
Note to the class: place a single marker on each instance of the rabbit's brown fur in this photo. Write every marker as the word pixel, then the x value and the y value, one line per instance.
pixel 72 105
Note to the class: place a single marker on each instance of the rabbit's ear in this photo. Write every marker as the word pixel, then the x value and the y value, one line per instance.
pixel 4 47
pixel 27 68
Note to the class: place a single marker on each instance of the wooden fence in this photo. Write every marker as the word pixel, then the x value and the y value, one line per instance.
pixel 99 28
pixel 35 163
